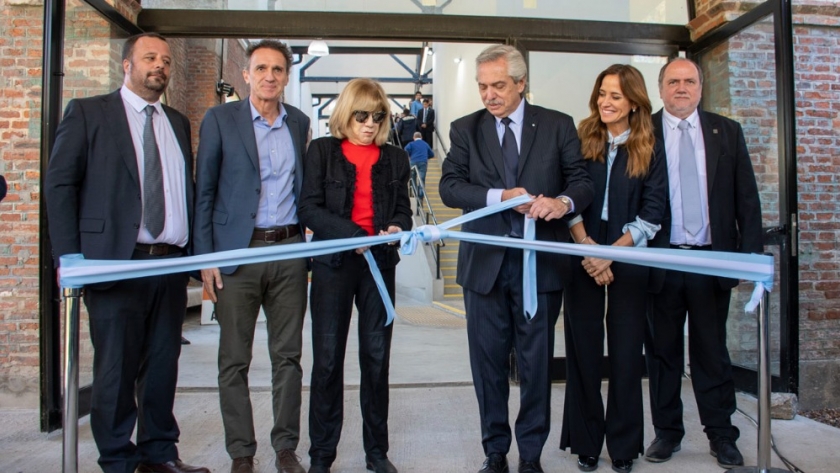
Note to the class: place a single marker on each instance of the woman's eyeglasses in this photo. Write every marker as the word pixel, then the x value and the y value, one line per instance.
pixel 361 116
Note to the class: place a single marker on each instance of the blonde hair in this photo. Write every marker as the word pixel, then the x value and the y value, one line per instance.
pixel 593 132
pixel 365 95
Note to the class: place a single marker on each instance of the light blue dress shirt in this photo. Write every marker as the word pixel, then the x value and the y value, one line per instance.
pixel 277 205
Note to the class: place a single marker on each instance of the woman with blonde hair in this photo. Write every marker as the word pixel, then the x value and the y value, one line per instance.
pixel 628 168
pixel 354 185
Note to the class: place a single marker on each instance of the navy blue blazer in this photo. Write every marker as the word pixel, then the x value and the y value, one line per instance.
pixel 228 180
pixel 92 186
pixel 550 163
pixel 734 206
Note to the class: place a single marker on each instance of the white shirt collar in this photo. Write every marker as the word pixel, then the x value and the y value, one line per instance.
pixel 517 116
pixel 671 121
pixel 138 103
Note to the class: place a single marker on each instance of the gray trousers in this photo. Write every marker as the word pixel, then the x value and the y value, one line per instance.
pixel 280 287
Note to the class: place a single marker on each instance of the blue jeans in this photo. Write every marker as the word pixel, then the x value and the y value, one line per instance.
pixel 421 168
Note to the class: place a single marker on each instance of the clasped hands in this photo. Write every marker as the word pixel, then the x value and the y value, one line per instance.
pixel 542 207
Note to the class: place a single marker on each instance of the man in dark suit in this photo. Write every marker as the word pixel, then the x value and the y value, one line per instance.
pixel 426 123
pixel 248 179
pixel 509 149
pixel 714 206
pixel 119 187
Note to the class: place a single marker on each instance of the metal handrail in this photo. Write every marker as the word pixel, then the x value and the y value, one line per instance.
pixel 425 212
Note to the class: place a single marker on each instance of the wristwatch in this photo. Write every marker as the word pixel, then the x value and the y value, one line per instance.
pixel 567 202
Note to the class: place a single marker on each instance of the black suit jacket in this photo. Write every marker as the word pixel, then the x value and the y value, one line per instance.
pixel 645 197
pixel 228 180
pixel 428 119
pixel 550 163
pixel 734 206
pixel 92 187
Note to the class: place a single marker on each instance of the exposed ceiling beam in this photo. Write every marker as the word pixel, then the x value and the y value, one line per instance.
pixel 546 33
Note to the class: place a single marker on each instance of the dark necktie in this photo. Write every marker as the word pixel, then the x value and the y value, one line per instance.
pixel 154 208
pixel 689 182
pixel 510 153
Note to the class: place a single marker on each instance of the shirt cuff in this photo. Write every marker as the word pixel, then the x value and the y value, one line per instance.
pixel 575 221
pixel 641 231
pixel 494 196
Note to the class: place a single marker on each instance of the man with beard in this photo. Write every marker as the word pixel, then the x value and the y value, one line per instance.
pixel 119 187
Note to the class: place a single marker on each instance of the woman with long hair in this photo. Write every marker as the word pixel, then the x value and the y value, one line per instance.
pixel 354 185
pixel 628 168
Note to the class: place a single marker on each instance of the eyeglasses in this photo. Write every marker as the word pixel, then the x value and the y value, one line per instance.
pixel 361 116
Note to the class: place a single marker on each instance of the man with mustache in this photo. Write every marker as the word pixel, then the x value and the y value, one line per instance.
pixel 248 180
pixel 510 149
pixel 119 187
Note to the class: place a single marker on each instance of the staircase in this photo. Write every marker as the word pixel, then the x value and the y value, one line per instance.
pixel 448 253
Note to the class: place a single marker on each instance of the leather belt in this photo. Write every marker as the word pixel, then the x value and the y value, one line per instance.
pixel 158 249
pixel 692 247
pixel 272 235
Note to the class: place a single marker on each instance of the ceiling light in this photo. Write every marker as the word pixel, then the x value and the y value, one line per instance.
pixel 457 60
pixel 318 48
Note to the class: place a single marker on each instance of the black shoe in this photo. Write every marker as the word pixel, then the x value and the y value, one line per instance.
pixel 380 465
pixel 587 463
pixel 622 466
pixel 530 467
pixel 494 463
pixel 319 469
pixel 184 341
pixel 726 452
pixel 661 450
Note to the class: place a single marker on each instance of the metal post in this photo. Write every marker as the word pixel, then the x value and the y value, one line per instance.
pixel 71 380
pixel 763 393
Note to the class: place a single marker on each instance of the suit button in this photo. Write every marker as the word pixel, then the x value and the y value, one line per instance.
pixel 258 191
pixel 136 226
pixel 138 196
pixel 253 215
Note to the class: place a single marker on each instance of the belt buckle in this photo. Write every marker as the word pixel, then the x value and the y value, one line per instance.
pixel 685 247
pixel 270 236
pixel 158 250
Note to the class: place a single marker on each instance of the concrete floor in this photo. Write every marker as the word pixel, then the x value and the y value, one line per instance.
pixel 433 415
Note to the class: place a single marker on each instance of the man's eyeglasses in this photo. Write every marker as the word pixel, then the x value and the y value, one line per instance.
pixel 361 116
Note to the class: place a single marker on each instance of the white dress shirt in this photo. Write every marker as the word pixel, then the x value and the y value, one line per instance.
pixel 679 235
pixel 176 230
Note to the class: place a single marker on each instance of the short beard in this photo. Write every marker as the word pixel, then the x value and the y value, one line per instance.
pixel 155 86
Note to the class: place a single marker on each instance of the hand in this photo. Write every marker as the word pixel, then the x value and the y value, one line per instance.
pixel 548 208
pixel 605 278
pixel 508 194
pixel 212 280
pixel 391 230
pixel 595 266
pixel 361 250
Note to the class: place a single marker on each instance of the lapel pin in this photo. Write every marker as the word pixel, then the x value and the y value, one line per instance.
pixel 714 131
pixel 533 124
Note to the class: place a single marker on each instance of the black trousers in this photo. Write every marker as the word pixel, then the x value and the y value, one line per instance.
pixel 584 423
pixel 495 325
pixel 707 306
pixel 333 292
pixel 135 327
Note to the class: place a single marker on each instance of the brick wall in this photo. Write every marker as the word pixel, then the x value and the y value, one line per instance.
pixel 741 84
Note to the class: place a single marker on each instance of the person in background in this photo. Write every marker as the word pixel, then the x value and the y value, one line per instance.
pixel 714 206
pixel 419 154
pixel 354 185
pixel 426 122
pixel 406 128
pixel 417 104
pixel 628 168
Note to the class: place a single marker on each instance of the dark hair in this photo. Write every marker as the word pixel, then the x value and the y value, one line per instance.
pixel 678 58
pixel 281 48
pixel 128 46
pixel 425 100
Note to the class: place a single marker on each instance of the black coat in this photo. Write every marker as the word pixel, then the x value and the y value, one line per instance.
pixel 326 202
pixel 734 206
